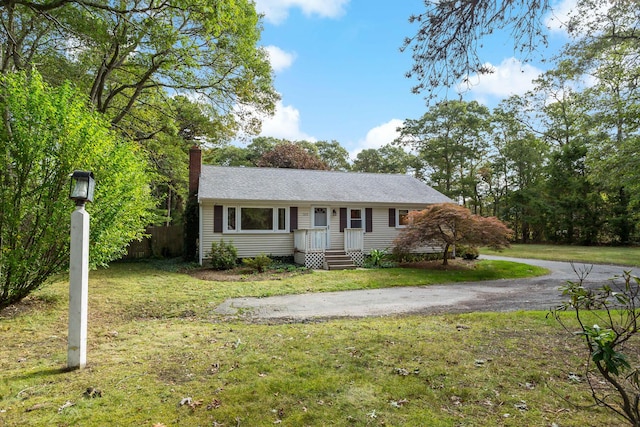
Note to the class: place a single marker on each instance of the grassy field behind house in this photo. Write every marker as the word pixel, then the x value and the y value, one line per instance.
pixel 159 356
pixel 629 256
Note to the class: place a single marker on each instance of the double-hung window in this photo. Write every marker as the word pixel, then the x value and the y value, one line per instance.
pixel 355 218
pixel 255 219
pixel 402 218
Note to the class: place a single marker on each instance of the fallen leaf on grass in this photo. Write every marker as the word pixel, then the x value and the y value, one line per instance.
pixel 399 403
pixel 66 405
pixel 37 406
pixel 522 405
pixel 575 377
pixel 215 404
pixel 487 402
pixel 405 372
pixel 193 404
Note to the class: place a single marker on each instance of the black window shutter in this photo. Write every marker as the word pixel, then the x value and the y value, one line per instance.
pixel 217 219
pixel 293 218
pixel 368 217
pixel 343 219
pixel 392 217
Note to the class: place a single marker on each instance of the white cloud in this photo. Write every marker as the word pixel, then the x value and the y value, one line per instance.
pixel 277 11
pixel 589 16
pixel 280 60
pixel 378 136
pixel 511 77
pixel 558 17
pixel 285 123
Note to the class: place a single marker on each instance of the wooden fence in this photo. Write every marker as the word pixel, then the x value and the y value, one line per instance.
pixel 163 242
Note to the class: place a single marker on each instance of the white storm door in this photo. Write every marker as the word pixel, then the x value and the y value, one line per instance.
pixel 321 221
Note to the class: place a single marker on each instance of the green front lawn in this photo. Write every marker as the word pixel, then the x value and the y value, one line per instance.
pixel 159 356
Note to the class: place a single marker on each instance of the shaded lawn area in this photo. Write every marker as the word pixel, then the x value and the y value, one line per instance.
pixel 158 355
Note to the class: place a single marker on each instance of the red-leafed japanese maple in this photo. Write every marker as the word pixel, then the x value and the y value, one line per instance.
pixel 447 224
pixel 290 156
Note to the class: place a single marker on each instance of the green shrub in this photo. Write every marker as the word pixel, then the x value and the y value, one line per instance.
pixel 259 263
pixel 467 252
pixel 402 257
pixel 378 258
pixel 223 255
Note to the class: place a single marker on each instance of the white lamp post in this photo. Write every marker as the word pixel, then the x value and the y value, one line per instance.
pixel 82 187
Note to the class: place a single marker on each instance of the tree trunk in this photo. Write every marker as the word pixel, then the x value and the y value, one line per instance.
pixel 445 255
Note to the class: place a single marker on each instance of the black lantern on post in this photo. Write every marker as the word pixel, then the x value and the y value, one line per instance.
pixel 81 190
pixel 82 187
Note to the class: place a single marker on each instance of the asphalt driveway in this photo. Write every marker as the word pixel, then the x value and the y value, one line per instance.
pixel 538 293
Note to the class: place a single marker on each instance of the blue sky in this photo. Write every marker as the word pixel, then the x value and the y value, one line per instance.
pixel 341 75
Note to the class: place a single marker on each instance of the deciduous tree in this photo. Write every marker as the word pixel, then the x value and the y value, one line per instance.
pixel 386 159
pixel 334 155
pixel 291 156
pixel 451 140
pixel 120 52
pixel 605 320
pixel 447 224
pixel 45 134
pixel 154 69
pixel 449 35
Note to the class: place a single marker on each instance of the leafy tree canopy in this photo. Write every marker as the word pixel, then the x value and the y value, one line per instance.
pixel 448 224
pixel 386 159
pixel 291 156
pixel 46 133
pixel 164 73
pixel 120 52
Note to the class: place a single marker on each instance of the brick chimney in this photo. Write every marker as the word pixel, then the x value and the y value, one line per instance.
pixel 195 166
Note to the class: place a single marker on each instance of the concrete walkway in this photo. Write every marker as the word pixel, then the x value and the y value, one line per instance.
pixel 538 293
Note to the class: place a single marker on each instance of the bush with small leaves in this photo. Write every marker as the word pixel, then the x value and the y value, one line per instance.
pixel 223 256
pixel 259 263
pixel 607 320
pixel 467 252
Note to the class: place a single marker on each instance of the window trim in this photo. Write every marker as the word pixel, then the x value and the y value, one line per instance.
pixel 398 225
pixel 361 219
pixel 238 219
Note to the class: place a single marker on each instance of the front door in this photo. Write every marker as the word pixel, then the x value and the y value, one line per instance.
pixel 321 220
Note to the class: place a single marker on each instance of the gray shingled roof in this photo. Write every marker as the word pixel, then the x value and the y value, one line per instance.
pixel 280 185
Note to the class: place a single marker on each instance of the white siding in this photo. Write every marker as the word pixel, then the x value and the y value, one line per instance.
pixel 248 244
pixel 281 244
pixel 382 235
pixel 304 217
